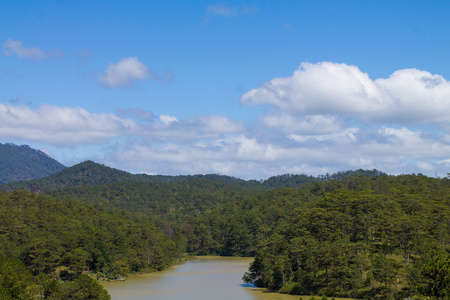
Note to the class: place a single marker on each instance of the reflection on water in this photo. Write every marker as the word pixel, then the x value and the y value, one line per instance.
pixel 209 277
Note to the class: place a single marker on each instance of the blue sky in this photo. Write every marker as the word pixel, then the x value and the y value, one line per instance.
pixel 250 89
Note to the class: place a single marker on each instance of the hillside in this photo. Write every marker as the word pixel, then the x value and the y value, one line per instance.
pixel 173 201
pixel 89 173
pixel 24 163
pixel 177 198
pixel 365 238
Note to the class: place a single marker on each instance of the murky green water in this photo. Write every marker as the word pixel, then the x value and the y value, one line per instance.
pixel 209 277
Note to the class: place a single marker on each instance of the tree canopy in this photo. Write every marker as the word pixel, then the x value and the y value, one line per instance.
pixel 360 234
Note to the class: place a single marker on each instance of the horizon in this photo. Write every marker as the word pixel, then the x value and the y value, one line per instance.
pixel 242 89
pixel 205 174
pixel 250 179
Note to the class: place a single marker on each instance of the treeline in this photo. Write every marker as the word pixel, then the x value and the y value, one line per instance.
pixel 61 240
pixel 357 237
pixel 89 173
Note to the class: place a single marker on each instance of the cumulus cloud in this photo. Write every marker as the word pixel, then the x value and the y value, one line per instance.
pixel 343 91
pixel 325 118
pixel 417 96
pixel 324 88
pixel 126 71
pixel 11 47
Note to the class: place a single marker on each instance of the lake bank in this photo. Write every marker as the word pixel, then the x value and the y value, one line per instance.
pixel 205 277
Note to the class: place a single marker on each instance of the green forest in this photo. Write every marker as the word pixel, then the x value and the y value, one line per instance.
pixel 360 234
pixel 48 244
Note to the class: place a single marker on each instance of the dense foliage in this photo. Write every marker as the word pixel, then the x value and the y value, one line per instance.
pixel 436 275
pixel 358 234
pixel 64 239
pixel 175 201
pixel 24 163
pixel 358 237
pixel 17 283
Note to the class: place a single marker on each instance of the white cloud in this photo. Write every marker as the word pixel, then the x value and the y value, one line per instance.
pixel 389 150
pixel 216 144
pixel 230 155
pixel 340 136
pixel 343 91
pixel 125 72
pixel 167 119
pixel 325 118
pixel 220 124
pixel 67 126
pixel 64 126
pixel 418 96
pixel 324 88
pixel 202 127
pixel 308 125
pixel 11 47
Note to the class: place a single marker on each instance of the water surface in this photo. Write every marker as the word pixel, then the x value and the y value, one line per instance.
pixel 210 277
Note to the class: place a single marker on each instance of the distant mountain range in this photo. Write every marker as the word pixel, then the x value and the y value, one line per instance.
pixel 46 174
pixel 24 163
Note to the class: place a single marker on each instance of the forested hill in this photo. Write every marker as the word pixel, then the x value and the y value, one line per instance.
pixel 297 181
pixel 89 173
pixel 386 237
pixel 86 173
pixel 166 202
pixel 24 163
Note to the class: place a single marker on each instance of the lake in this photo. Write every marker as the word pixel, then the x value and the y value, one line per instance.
pixel 206 277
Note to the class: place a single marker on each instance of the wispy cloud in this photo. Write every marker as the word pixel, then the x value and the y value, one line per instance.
pixel 16 47
pixel 230 11
pixel 83 55
pixel 68 126
pixel 143 115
